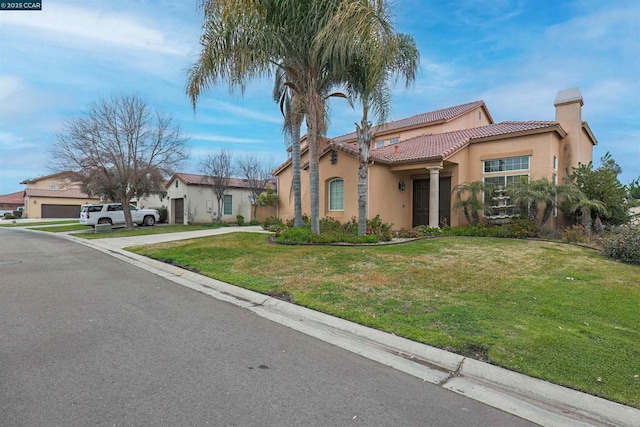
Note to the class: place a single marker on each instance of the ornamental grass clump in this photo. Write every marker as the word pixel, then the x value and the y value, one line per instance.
pixel 623 245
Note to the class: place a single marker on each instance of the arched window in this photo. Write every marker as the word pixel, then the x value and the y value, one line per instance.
pixel 336 195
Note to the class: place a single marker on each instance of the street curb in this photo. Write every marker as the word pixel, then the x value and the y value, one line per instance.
pixel 532 399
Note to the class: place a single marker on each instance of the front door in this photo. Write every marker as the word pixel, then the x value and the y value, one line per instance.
pixel 179 211
pixel 421 202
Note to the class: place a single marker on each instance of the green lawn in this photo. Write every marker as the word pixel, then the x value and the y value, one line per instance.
pixel 143 231
pixel 8 223
pixel 63 228
pixel 553 311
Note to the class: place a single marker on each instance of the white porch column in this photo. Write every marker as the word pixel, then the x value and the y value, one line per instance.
pixel 434 196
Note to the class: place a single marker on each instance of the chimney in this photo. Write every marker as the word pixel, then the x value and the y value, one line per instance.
pixel 568 105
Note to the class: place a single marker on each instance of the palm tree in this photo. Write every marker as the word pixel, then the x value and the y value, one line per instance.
pixel 577 203
pixel 285 94
pixel 469 199
pixel 243 39
pixel 369 69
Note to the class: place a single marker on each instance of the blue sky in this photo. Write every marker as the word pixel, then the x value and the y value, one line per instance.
pixel 513 54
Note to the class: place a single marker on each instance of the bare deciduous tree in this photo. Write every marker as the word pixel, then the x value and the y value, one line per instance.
pixel 121 149
pixel 257 174
pixel 218 168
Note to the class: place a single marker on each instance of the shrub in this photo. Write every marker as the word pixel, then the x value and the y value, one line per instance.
pixel 425 230
pixel 271 221
pixel 254 222
pixel 519 229
pixel 574 234
pixel 164 214
pixel 9 215
pixel 17 214
pixel 623 245
pixel 306 221
pixel 294 236
pixel 407 234
pixel 240 219
pixel 380 229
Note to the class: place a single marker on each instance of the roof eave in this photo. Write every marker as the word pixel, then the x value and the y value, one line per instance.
pixel 587 129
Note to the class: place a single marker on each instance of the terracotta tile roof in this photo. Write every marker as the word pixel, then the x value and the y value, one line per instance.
pixel 424 119
pixel 71 193
pixel 440 146
pixel 69 175
pixel 16 198
pixel 195 179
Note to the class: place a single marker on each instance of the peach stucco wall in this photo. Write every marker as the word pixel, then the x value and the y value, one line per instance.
pixel 33 205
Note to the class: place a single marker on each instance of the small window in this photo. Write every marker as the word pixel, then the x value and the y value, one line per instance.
pixel 394 140
pixel 555 163
pixel 336 195
pixel 53 187
pixel 227 205
pixel 176 183
pixel 379 144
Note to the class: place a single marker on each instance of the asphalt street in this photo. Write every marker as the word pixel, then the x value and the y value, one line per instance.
pixel 88 339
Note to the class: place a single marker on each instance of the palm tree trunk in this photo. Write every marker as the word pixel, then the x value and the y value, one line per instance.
pixel 364 144
pixel 295 165
pixel 314 126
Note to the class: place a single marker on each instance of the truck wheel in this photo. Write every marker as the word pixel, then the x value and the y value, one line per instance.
pixel 149 221
pixel 104 221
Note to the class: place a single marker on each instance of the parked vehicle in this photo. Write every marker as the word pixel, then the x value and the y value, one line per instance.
pixel 112 213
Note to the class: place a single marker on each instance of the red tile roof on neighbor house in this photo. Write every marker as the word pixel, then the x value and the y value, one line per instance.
pixel 71 193
pixel 62 175
pixel 16 198
pixel 442 145
pixel 194 179
pixel 429 118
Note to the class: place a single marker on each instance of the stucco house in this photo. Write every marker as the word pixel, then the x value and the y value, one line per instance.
pixel 191 199
pixel 12 202
pixel 417 161
pixel 54 196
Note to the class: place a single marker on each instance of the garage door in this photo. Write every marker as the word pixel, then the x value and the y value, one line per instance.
pixel 61 211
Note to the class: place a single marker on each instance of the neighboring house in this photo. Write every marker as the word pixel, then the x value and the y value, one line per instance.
pixel 416 162
pixel 54 196
pixel 191 200
pixel 152 201
pixel 12 202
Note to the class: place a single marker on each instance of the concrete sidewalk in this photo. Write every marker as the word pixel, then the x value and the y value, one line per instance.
pixel 535 400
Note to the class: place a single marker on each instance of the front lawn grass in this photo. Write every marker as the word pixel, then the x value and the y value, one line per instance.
pixel 143 231
pixel 63 228
pixel 553 311
pixel 8 223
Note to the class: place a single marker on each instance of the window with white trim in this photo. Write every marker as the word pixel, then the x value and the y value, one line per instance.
pixel 336 194
pixel 496 182
pixel 507 164
pixel 227 205
pixel 394 140
pixel 379 144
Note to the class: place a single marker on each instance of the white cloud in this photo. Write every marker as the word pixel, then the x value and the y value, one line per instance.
pixel 87 26
pixel 482 13
pixel 229 139
pixel 245 113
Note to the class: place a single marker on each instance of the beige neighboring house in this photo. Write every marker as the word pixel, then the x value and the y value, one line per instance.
pixel 416 162
pixel 54 196
pixel 191 200
pixel 12 201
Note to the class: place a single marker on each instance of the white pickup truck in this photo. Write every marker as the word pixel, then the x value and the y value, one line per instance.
pixel 112 213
